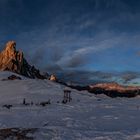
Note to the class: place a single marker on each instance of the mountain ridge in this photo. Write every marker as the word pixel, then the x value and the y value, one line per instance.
pixel 14 61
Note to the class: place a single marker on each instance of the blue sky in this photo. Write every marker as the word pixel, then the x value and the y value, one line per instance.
pixel 90 35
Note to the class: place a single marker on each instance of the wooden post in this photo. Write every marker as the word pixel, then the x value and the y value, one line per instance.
pixel 24 101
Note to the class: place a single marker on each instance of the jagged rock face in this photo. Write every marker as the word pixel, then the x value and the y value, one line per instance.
pixel 13 60
pixel 10 59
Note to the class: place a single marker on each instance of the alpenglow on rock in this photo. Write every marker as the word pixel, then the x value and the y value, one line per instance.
pixel 53 78
pixel 13 60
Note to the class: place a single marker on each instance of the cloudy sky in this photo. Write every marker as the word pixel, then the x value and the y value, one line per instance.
pixel 90 35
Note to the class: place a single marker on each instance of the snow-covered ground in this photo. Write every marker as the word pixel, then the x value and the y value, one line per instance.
pixel 86 117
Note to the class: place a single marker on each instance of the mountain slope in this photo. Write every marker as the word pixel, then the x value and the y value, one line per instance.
pixel 86 117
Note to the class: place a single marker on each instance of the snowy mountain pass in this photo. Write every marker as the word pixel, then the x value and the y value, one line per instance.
pixel 86 117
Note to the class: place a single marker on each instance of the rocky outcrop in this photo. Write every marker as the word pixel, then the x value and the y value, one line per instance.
pixel 13 60
pixel 53 78
pixel 12 77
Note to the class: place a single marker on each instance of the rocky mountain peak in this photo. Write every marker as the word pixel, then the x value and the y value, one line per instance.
pixel 13 60
pixel 10 46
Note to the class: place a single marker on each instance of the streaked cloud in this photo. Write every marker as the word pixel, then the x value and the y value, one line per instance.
pixel 70 34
